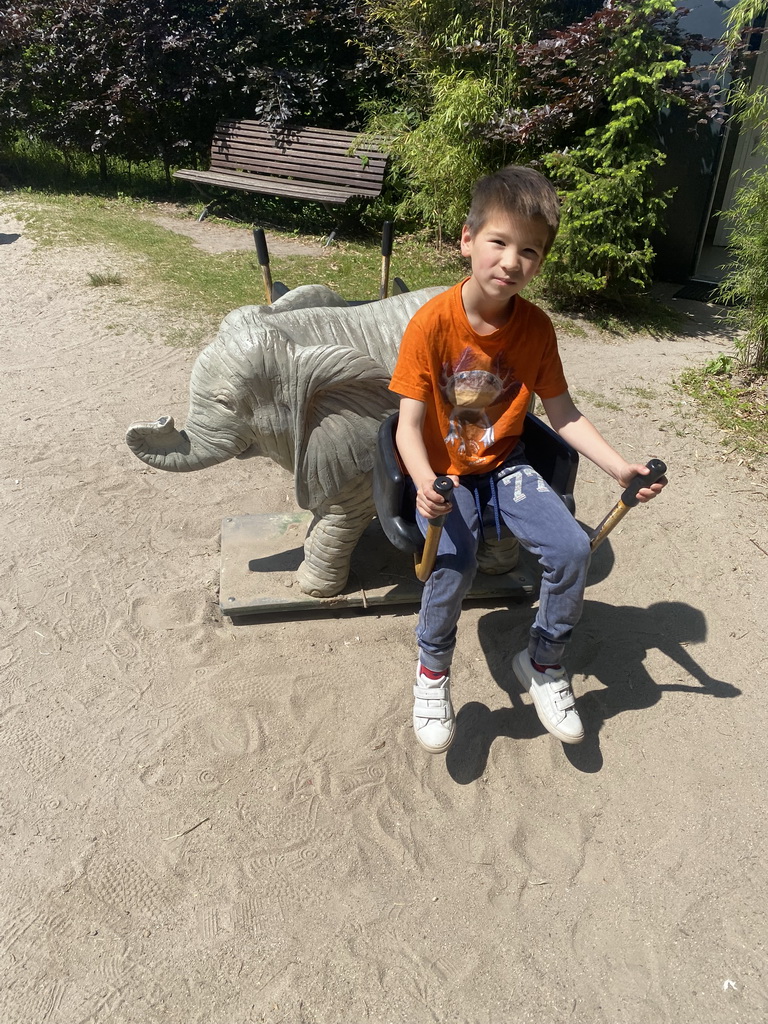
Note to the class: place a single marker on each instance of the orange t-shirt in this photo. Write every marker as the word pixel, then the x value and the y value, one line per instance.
pixel 476 387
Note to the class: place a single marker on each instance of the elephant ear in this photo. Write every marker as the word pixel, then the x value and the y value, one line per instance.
pixel 340 396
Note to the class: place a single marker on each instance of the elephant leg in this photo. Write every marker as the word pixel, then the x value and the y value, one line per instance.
pixel 332 537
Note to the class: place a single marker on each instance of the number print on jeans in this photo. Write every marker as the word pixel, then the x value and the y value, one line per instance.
pixel 516 477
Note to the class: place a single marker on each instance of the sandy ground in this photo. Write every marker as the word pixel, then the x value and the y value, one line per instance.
pixel 209 823
pixel 213 236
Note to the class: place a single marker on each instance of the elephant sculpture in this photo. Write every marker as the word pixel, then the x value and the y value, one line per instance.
pixel 305 383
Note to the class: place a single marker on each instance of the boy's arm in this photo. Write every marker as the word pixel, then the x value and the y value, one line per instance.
pixel 413 452
pixel 582 435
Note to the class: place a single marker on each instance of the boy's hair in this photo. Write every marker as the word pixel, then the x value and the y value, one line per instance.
pixel 516 191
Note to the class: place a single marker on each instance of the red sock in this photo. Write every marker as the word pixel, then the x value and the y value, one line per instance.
pixel 543 668
pixel 430 673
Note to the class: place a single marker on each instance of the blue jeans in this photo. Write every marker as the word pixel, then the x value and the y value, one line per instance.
pixel 536 515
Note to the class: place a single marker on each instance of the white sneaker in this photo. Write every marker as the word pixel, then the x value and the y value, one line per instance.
pixel 433 719
pixel 552 697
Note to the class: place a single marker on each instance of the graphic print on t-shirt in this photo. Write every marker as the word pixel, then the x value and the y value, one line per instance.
pixel 476 395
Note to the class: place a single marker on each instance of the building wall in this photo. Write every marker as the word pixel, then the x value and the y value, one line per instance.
pixel 696 156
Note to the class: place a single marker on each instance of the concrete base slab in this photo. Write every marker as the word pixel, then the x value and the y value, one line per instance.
pixel 261 553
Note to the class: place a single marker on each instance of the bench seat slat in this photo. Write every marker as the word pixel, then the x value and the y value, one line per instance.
pixel 269 186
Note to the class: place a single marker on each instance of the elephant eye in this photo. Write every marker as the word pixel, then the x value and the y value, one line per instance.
pixel 226 401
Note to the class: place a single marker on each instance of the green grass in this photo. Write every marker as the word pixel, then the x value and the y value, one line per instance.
pixel 353 269
pixel 645 393
pixel 102 280
pixel 572 327
pixel 736 399
pixel 166 267
pixel 30 164
pixel 598 401
pixel 76 205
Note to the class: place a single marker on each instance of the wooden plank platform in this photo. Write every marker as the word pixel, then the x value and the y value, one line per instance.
pixel 261 553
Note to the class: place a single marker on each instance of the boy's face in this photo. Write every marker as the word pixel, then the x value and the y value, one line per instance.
pixel 506 253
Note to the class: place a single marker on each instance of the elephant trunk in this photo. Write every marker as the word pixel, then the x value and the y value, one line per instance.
pixel 161 446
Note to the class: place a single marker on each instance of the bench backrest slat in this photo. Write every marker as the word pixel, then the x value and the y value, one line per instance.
pixel 311 154
pixel 291 135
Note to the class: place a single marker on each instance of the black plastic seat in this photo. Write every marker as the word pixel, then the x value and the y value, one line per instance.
pixel 546 451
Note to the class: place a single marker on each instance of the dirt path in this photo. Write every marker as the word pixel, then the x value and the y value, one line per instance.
pixel 213 824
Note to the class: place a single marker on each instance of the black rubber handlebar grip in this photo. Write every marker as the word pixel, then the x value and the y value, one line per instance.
pixel 444 485
pixel 657 470
pixel 262 253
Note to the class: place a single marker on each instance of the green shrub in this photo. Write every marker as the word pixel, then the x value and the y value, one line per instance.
pixel 745 289
pixel 603 249
pixel 438 159
pixel 611 204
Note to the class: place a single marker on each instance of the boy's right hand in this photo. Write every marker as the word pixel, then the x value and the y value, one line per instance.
pixel 429 502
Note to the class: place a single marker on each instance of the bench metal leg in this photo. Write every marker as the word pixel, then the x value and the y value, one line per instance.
pixel 209 202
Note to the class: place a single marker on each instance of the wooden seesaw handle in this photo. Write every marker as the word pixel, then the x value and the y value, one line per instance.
pixel 627 501
pixel 424 566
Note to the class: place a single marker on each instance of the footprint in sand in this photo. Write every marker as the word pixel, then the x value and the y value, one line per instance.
pixel 35 755
pixel 175 610
pixel 126 886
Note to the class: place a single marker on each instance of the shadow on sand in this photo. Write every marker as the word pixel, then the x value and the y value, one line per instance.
pixel 610 645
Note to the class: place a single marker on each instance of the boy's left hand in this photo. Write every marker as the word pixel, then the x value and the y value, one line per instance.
pixel 646 493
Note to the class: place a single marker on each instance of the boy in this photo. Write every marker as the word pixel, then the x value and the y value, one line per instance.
pixel 469 362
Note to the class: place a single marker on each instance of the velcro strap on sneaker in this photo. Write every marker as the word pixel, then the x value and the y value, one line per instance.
pixel 564 699
pixel 431 693
pixel 432 703
pixel 437 709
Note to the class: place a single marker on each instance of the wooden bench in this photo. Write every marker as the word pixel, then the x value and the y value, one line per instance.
pixel 297 163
